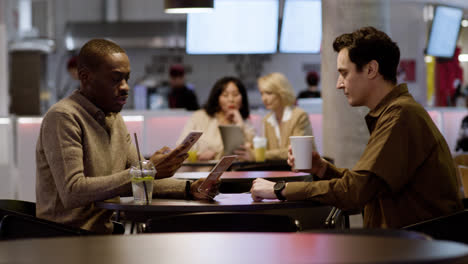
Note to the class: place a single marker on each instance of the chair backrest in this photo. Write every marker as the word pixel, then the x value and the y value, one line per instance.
pixel 463 180
pixel 18 226
pixel 222 222
pixel 461 159
pixel 339 219
pixel 450 227
pixel 17 206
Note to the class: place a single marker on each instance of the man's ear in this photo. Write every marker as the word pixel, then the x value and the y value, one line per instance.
pixel 84 74
pixel 372 69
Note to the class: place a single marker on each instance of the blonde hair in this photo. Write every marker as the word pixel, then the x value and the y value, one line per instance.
pixel 278 83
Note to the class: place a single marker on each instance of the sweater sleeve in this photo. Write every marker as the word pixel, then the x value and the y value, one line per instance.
pixel 169 188
pixel 63 149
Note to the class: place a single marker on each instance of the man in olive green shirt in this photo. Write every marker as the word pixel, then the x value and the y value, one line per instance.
pixel 406 173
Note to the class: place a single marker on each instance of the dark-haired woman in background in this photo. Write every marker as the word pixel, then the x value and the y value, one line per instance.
pixel 227 105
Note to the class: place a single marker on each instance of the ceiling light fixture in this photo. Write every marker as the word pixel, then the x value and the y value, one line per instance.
pixel 463 58
pixel 188 6
pixel 464 23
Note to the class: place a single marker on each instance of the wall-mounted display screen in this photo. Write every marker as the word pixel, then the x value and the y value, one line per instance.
pixel 301 30
pixel 234 27
pixel 444 31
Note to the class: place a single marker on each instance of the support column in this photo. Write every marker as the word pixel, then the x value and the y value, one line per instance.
pixel 8 175
pixel 344 129
pixel 4 97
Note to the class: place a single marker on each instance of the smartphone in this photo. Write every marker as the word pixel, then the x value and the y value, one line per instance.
pixel 216 173
pixel 187 143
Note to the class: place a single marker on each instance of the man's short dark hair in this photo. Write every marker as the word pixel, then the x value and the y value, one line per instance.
pixel 93 51
pixel 312 78
pixel 368 43
pixel 212 104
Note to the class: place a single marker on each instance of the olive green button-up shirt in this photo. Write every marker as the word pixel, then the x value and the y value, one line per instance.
pixel 405 175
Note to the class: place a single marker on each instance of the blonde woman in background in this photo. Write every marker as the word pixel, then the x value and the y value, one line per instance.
pixel 284 119
pixel 227 104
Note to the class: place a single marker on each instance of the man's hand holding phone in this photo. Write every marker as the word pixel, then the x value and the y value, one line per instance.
pixel 208 188
pixel 209 194
pixel 168 161
pixel 187 143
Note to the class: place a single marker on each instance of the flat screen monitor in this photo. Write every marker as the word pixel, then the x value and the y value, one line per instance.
pixel 301 29
pixel 444 31
pixel 234 27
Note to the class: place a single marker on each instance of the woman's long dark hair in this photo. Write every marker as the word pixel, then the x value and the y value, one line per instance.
pixel 212 104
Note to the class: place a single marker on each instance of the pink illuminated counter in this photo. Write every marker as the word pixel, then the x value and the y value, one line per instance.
pixel 156 129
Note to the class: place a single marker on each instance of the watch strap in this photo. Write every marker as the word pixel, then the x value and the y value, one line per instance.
pixel 279 187
pixel 188 193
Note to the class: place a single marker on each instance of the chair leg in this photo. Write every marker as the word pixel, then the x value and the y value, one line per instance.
pixel 346 220
pixel 119 228
pixel 328 220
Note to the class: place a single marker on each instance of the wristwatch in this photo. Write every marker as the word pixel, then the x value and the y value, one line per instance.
pixel 278 188
pixel 188 193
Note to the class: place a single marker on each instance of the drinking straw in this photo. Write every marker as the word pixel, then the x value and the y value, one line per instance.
pixel 141 168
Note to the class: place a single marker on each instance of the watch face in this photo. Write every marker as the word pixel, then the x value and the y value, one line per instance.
pixel 279 185
pixel 278 188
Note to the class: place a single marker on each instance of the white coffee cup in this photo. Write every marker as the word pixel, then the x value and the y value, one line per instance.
pixel 302 151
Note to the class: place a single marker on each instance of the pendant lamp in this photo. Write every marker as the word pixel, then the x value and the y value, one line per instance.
pixel 188 6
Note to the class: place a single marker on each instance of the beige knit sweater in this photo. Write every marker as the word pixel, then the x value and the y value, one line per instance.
pixel 83 156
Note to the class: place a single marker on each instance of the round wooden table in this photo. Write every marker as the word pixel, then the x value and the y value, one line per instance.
pixel 239 202
pixel 310 214
pixel 270 248
pixel 222 202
